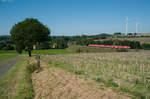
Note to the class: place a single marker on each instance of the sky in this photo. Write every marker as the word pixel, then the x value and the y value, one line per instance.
pixel 77 17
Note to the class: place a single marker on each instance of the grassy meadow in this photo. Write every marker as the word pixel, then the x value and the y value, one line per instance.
pixel 127 72
pixel 48 51
pixel 52 51
pixel 7 56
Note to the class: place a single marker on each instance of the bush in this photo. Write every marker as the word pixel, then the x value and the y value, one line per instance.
pixel 145 46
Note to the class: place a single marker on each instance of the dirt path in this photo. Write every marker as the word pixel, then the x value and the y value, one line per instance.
pixel 55 83
pixel 7 65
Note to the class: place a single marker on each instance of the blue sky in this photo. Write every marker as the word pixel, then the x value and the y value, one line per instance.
pixel 76 17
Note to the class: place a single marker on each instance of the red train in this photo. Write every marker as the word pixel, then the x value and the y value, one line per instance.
pixel 109 46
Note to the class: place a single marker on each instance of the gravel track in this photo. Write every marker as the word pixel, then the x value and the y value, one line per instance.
pixel 6 65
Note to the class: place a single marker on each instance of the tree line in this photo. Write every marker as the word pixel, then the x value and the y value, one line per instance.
pixel 62 42
pixel 132 44
pixel 6 43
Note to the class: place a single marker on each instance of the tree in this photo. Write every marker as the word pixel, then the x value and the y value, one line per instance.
pixel 59 42
pixel 129 34
pixel 27 33
pixel 117 33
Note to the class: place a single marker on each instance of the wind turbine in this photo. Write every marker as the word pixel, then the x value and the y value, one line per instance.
pixel 127 25
pixel 137 27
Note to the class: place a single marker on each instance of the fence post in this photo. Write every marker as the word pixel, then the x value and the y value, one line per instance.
pixel 38 61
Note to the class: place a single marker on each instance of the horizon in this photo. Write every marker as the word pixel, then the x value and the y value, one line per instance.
pixel 80 17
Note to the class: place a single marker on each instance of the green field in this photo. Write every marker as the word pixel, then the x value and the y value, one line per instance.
pixel 5 56
pixel 52 51
pixel 8 52
pixel 49 51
